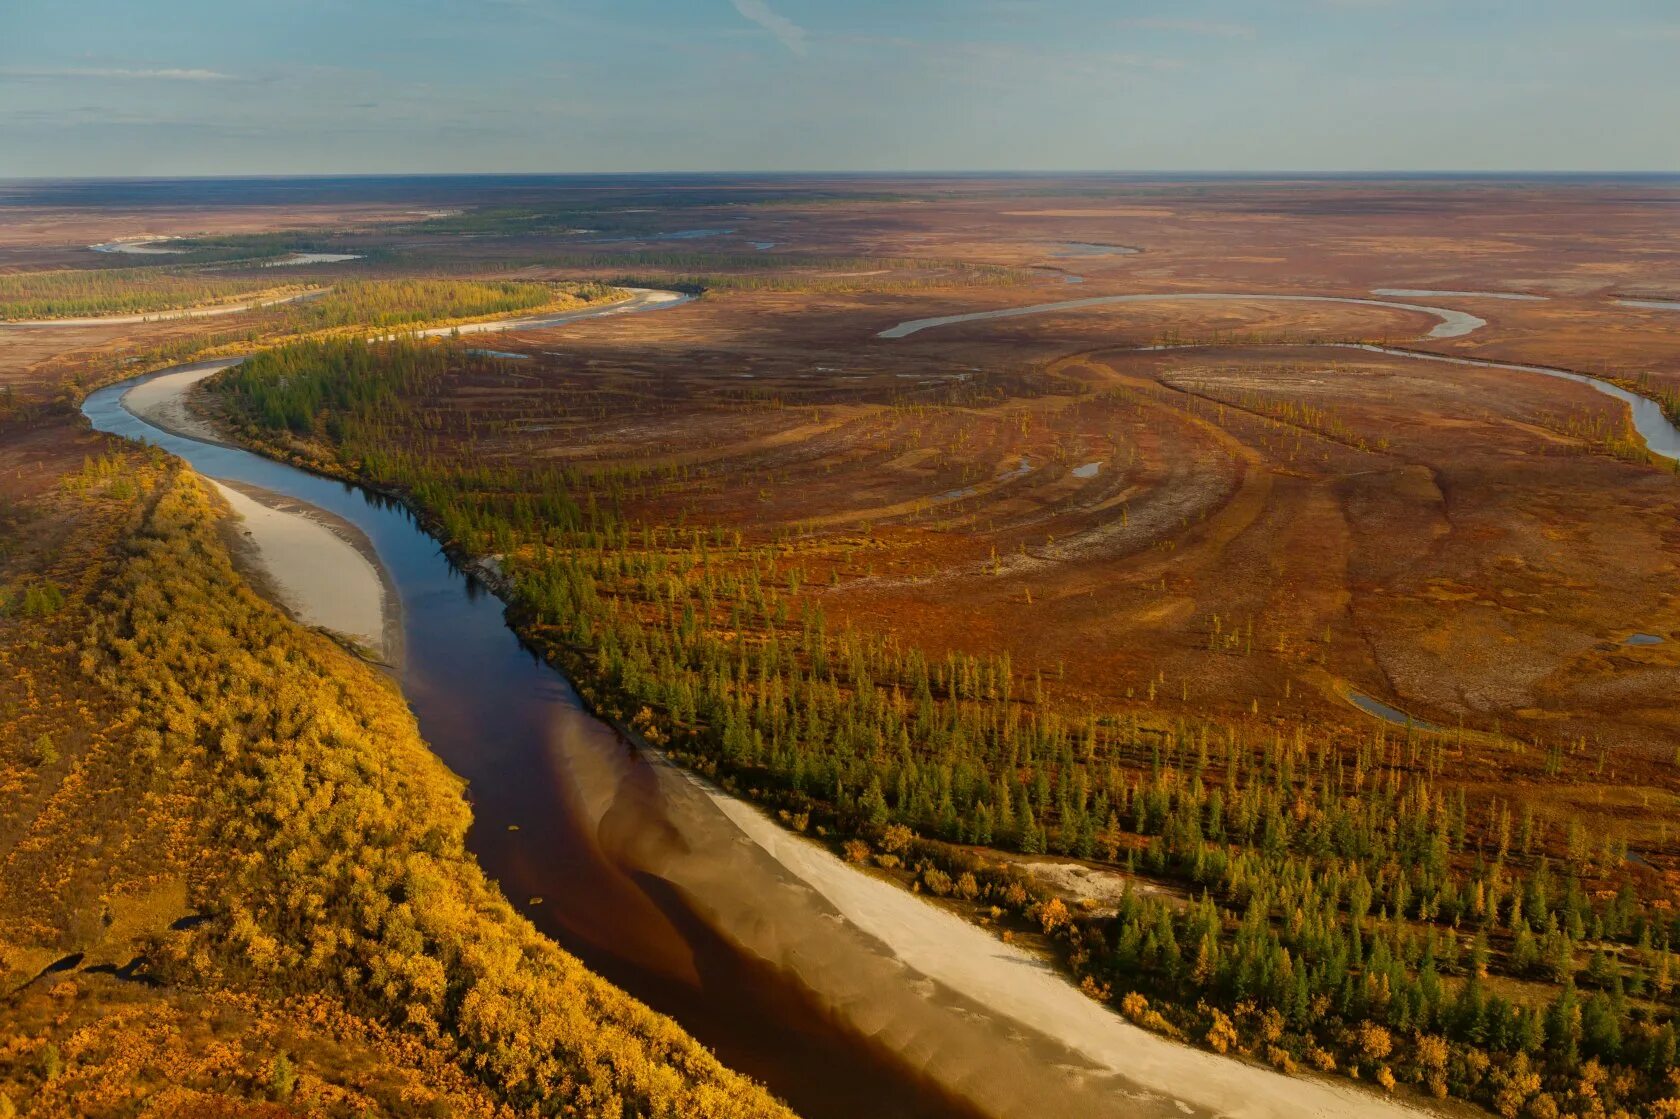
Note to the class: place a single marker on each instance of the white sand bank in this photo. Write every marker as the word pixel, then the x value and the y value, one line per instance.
pixel 1012 983
pixel 319 576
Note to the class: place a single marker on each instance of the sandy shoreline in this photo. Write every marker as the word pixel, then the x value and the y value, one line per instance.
pixel 320 568
pixel 1018 986
pixel 991 1022
pixel 321 578
pixel 641 299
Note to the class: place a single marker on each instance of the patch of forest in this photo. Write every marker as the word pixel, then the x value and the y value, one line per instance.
pixel 235 875
pixel 74 293
pixel 411 301
pixel 1352 906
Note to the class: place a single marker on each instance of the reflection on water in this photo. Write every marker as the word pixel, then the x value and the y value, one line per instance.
pixel 1649 420
pixel 597 820
pixel 1390 714
pixel 1453 324
pixel 1518 296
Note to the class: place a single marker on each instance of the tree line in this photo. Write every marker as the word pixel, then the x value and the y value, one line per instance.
pixel 1338 887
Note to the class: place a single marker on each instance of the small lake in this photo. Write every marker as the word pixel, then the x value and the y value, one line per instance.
pixel 1388 714
pixel 311 258
pixel 151 246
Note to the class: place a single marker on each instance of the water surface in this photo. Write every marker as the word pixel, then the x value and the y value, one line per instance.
pixel 606 836
pixel 1388 714
pixel 1427 292
pixel 1453 324
pixel 1649 420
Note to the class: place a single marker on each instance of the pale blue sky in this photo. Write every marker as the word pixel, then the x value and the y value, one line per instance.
pixel 184 87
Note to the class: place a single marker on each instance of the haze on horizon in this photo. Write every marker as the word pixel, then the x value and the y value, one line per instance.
pixel 202 87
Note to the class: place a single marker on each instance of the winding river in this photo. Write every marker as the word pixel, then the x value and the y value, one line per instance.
pixel 845 994
pixel 1660 435
pixel 1451 324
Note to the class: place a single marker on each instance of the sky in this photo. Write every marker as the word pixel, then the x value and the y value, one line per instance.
pixel 209 87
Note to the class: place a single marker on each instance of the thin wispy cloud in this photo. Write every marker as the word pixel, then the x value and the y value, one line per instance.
pixel 786 32
pixel 118 73
pixel 1213 28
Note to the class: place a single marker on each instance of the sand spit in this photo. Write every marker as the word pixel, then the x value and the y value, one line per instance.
pixel 1453 324
pixel 162 401
pixel 1019 988
pixel 321 569
pixel 318 575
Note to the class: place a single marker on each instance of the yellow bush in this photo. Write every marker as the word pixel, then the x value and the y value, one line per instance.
pixel 1221 1035
pixel 274 730
pixel 1374 1041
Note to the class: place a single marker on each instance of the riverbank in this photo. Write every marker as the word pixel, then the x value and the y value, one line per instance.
pixel 319 568
pixel 1451 323
pixel 253 797
pixel 167 316
pixel 807 960
pixel 890 965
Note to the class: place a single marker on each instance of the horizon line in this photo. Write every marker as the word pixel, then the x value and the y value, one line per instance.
pixel 927 172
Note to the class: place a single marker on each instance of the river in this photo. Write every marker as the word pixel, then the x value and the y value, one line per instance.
pixel 845 994
pixel 1451 324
